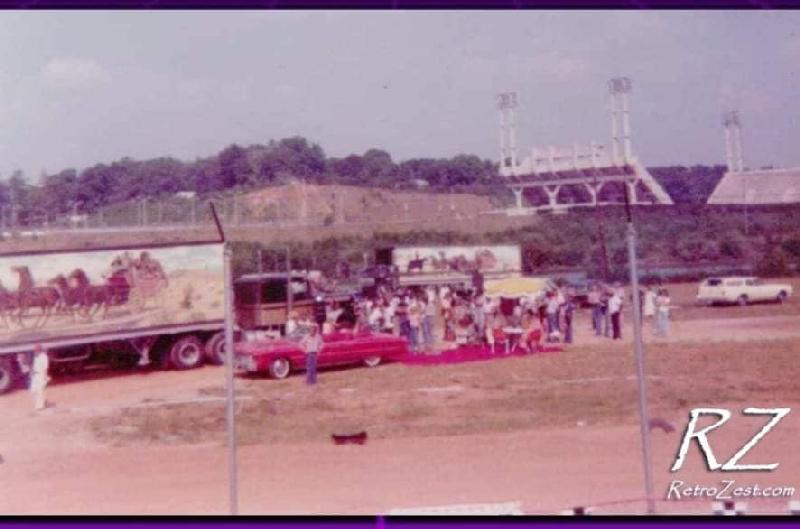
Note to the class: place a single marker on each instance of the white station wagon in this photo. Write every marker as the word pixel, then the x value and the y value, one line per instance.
pixel 741 290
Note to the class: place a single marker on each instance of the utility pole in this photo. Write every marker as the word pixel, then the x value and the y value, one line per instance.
pixel 13 207
pixel 230 394
pixel 289 293
pixel 601 235
pixel 644 418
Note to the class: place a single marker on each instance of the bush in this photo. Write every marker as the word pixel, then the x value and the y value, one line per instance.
pixel 792 247
pixel 731 247
pixel 773 263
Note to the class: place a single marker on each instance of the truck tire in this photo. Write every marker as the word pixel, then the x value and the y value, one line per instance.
pixel 186 353
pixel 280 368
pixel 215 349
pixel 8 374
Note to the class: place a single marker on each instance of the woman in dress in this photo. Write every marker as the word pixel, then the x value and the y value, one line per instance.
pixel 649 304
pixel 663 304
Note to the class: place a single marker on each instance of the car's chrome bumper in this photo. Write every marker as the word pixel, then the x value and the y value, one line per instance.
pixel 245 363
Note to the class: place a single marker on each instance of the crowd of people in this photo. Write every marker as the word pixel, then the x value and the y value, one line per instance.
pixel 607 302
pixel 434 316
pixel 437 317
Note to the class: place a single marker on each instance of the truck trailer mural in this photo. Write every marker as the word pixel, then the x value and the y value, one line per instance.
pixel 58 297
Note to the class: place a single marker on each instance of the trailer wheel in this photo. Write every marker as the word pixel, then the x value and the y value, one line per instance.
pixel 186 353
pixel 279 368
pixel 8 375
pixel 215 349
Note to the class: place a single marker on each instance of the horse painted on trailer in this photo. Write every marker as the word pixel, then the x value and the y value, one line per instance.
pixel 91 298
pixel 9 303
pixel 30 296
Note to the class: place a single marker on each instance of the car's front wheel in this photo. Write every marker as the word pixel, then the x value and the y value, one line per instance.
pixel 372 361
pixel 279 368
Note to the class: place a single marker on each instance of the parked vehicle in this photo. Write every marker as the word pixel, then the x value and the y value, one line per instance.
pixel 419 266
pixel 741 290
pixel 159 304
pixel 279 358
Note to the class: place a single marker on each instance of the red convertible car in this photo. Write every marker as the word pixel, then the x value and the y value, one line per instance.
pixel 281 357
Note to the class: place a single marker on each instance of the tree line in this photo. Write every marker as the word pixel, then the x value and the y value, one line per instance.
pixel 275 163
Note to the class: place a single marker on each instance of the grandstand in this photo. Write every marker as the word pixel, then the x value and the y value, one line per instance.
pixel 758 187
pixel 556 179
pixel 751 187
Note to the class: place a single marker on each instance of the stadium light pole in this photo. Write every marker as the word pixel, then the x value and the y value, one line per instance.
pixel 639 351
pixel 733 153
pixel 506 104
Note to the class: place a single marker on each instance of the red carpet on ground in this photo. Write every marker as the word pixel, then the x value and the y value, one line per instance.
pixel 473 353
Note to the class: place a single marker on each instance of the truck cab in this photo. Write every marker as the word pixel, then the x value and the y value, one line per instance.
pixel 263 301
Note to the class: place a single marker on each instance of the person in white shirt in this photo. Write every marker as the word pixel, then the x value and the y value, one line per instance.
pixel 291 325
pixel 663 304
pixel 444 293
pixel 553 308
pixel 430 295
pixel 615 312
pixel 649 303
pixel 388 318
pixel 375 317
pixel 39 377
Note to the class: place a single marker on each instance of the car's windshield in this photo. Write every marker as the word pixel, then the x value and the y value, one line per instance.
pixel 714 282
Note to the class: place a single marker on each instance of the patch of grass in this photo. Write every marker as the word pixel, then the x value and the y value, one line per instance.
pixel 587 385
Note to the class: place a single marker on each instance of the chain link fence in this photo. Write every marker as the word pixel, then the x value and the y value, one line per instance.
pixel 365 208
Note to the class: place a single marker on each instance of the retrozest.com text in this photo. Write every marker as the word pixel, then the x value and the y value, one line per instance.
pixel 728 489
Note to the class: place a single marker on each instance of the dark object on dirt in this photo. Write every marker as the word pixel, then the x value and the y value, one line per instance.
pixel 355 438
pixel 657 422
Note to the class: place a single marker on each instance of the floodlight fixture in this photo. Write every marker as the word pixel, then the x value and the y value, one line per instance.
pixel 506 100
pixel 620 85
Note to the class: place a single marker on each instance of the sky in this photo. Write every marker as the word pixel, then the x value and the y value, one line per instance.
pixel 80 88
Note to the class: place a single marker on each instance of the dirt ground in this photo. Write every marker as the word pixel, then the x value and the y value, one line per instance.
pixel 552 431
